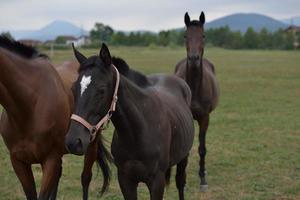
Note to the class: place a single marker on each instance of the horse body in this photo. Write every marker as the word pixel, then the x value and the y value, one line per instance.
pixel 205 88
pixel 32 128
pixel 164 138
pixel 38 102
pixel 199 74
pixel 153 123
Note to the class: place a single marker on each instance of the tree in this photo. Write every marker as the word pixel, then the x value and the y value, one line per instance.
pixel 7 34
pixel 236 41
pixel 289 40
pixel 278 39
pixel 60 40
pixel 101 32
pixel 251 39
pixel 163 38
pixel 265 39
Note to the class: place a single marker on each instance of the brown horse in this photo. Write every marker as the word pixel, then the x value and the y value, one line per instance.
pixel 153 123
pixel 37 107
pixel 199 74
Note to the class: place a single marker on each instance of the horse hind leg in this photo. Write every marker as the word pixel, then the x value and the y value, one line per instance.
pixel 181 177
pixel 25 175
pixel 203 125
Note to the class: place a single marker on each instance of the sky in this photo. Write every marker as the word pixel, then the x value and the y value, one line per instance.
pixel 126 15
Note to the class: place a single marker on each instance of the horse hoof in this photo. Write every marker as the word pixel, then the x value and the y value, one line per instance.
pixel 203 188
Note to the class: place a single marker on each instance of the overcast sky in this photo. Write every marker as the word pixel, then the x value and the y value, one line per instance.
pixel 132 14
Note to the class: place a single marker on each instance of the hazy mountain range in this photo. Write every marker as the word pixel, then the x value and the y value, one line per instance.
pixel 235 22
pixel 241 22
pixel 50 31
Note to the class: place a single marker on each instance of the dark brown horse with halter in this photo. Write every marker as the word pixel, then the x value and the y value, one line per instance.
pixel 153 123
pixel 199 74
pixel 37 107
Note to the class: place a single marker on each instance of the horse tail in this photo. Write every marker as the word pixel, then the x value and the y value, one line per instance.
pixel 168 176
pixel 104 159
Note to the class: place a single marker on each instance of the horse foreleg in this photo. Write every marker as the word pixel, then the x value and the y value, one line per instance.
pixel 181 177
pixel 157 186
pixel 203 125
pixel 86 175
pixel 51 175
pixel 128 187
pixel 25 175
pixel 54 191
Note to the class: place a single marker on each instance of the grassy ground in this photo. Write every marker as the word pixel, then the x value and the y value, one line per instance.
pixel 253 140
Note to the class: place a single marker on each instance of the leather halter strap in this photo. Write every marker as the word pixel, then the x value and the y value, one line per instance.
pixel 94 129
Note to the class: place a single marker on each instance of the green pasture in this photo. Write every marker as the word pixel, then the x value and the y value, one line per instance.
pixel 253 139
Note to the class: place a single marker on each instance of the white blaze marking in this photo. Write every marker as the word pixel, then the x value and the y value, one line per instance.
pixel 84 83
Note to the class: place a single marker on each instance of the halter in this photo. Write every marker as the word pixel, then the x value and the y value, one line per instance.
pixel 94 129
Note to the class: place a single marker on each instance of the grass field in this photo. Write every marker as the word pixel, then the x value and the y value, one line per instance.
pixel 253 140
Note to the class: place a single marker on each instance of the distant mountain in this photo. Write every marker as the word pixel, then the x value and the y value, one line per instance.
pixel 292 20
pixel 50 31
pixel 241 22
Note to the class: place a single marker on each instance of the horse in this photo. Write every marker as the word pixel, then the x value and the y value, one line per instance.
pixel 96 151
pixel 34 122
pixel 199 73
pixel 154 127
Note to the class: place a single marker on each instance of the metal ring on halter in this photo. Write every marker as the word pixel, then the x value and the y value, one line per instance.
pixel 93 133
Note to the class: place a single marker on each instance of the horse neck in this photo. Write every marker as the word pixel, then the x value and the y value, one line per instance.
pixel 128 115
pixel 194 76
pixel 16 88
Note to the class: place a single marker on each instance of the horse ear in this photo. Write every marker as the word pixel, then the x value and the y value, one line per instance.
pixel 80 58
pixel 105 55
pixel 202 18
pixel 187 19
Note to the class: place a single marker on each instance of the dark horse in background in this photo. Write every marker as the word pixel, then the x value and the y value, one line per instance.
pixel 34 122
pixel 199 74
pixel 153 123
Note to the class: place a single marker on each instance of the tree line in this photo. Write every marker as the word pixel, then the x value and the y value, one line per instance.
pixel 219 37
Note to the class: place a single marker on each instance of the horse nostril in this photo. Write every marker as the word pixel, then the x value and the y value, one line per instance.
pixel 194 57
pixel 78 143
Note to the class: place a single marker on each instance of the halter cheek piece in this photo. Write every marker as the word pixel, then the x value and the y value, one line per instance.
pixel 103 123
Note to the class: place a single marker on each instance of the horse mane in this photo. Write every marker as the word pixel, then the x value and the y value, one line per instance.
pixel 195 23
pixel 19 48
pixel 135 76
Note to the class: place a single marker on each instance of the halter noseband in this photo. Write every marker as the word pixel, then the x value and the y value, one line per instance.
pixel 94 129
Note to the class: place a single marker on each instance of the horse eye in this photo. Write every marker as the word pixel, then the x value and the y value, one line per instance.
pixel 203 36
pixel 102 91
pixel 184 36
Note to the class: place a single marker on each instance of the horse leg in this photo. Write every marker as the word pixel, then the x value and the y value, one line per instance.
pixel 86 175
pixel 128 187
pixel 51 174
pixel 181 177
pixel 203 125
pixel 54 191
pixel 157 186
pixel 25 175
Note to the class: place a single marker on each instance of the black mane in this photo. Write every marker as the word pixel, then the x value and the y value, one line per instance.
pixel 19 48
pixel 135 76
pixel 195 23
